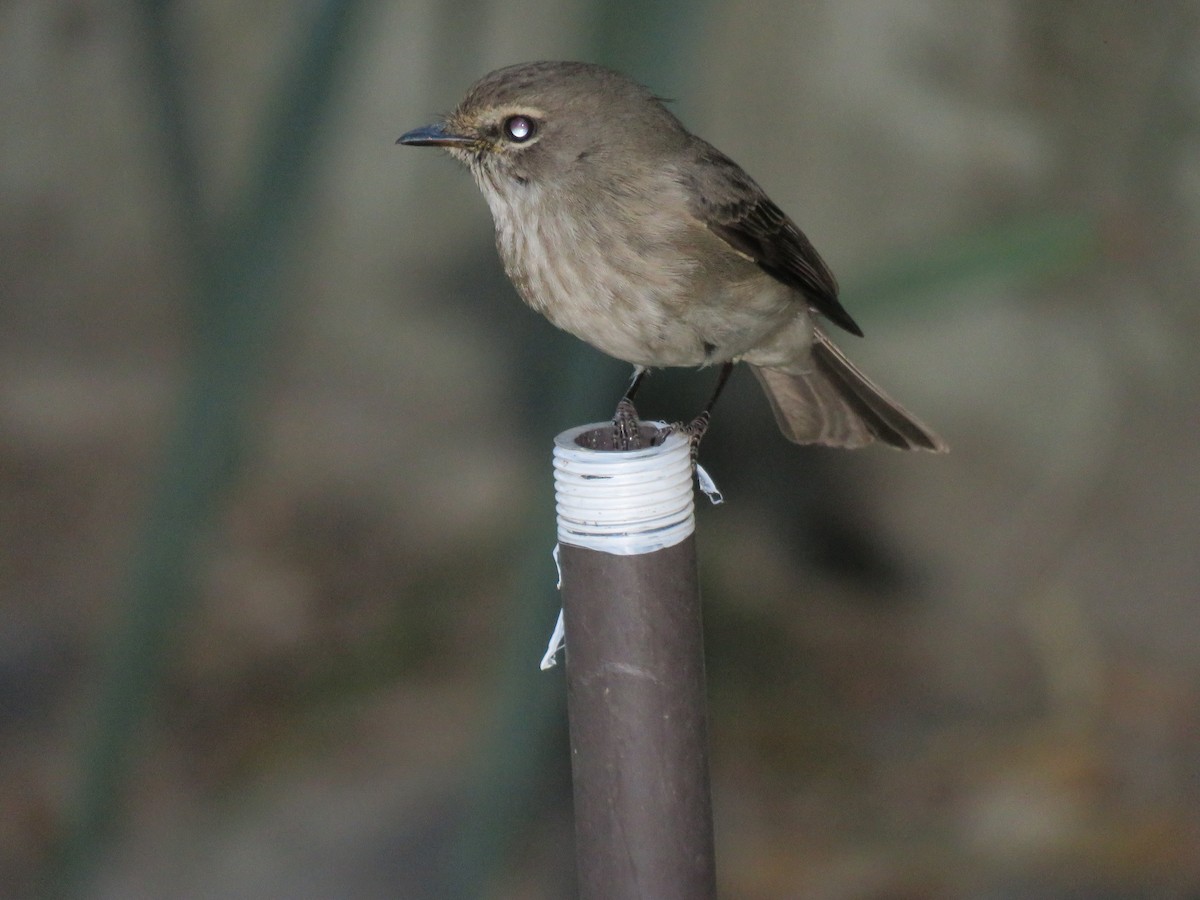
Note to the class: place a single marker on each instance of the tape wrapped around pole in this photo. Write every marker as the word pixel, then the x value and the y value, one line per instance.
pixel 628 502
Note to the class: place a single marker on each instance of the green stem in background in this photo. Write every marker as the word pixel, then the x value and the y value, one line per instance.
pixel 236 272
pixel 1030 247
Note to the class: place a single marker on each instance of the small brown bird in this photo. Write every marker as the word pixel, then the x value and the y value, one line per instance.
pixel 648 243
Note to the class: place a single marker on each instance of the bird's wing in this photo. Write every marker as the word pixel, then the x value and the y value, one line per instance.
pixel 736 209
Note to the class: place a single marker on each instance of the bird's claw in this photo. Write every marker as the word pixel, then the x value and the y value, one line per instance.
pixel 694 431
pixel 627 433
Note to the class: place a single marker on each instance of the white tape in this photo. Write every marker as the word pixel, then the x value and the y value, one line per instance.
pixel 708 487
pixel 625 503
pixel 557 640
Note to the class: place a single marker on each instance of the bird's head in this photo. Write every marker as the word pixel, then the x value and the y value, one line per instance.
pixel 541 122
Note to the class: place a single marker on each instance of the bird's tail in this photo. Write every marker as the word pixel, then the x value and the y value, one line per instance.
pixel 835 404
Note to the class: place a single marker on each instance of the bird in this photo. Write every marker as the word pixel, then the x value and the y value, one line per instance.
pixel 628 231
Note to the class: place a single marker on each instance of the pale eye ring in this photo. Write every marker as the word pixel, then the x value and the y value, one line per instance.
pixel 519 128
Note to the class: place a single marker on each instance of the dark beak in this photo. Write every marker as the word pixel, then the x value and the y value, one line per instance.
pixel 433 136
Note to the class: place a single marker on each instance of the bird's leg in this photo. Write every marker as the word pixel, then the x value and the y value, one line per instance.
pixel 626 428
pixel 696 428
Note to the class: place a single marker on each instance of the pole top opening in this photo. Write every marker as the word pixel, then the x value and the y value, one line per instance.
pixel 602 437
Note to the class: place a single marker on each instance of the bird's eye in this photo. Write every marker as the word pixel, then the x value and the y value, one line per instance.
pixel 519 128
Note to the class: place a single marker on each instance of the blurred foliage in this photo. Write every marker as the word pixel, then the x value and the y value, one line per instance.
pixel 236 267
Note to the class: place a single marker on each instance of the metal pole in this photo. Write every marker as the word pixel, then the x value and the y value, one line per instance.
pixel 635 668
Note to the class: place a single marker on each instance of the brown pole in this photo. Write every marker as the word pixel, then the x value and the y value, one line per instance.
pixel 635 673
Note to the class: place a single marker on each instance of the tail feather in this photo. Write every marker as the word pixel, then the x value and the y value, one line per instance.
pixel 835 404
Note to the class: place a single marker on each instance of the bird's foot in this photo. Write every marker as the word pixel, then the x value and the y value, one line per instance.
pixel 694 431
pixel 627 433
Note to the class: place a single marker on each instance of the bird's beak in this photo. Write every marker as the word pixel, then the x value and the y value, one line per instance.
pixel 433 136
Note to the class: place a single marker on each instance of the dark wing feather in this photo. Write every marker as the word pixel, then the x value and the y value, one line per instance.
pixel 737 210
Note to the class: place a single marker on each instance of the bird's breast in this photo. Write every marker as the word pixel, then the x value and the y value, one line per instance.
pixel 633 278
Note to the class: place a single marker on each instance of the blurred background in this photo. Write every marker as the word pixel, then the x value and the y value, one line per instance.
pixel 275 432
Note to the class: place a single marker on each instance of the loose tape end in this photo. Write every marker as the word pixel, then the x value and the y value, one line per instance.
pixel 558 640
